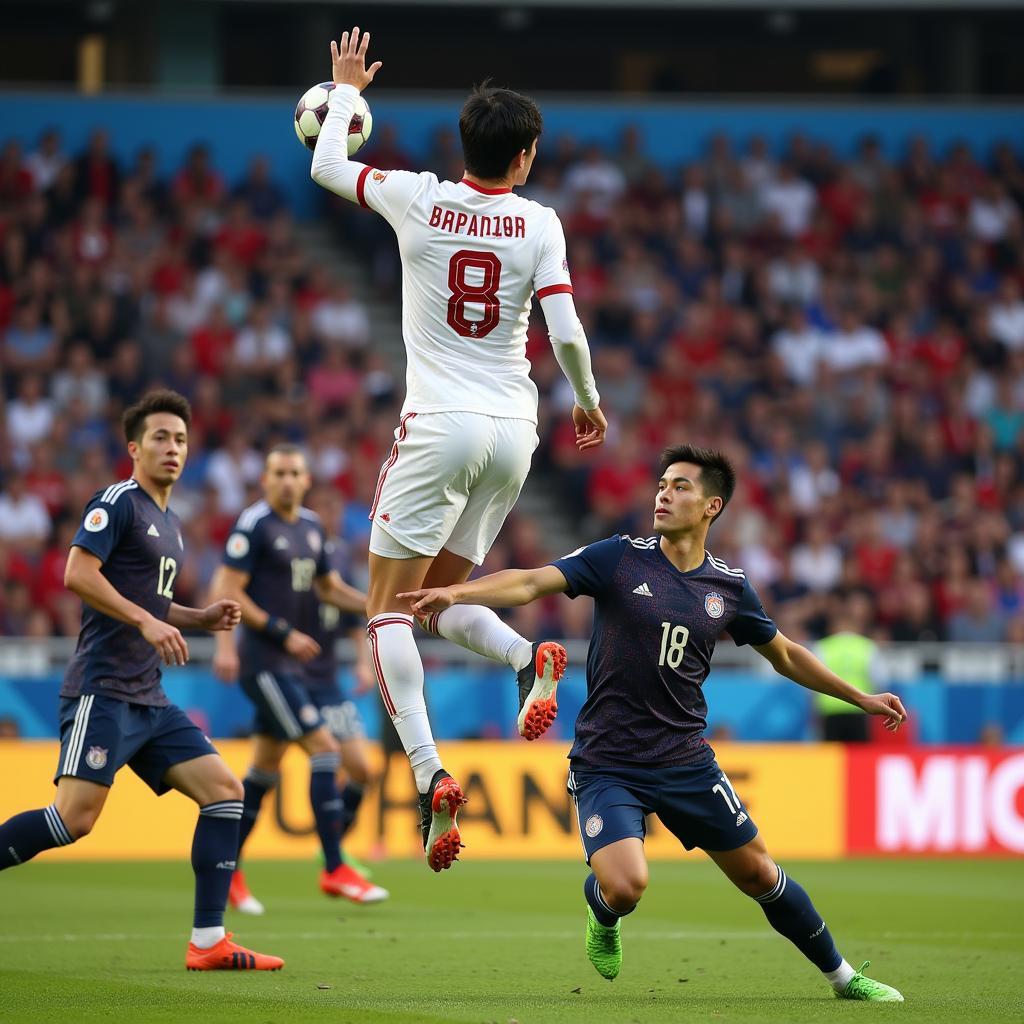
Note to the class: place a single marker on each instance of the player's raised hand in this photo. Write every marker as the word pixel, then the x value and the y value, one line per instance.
pixel 167 640
pixel 887 704
pixel 591 426
pixel 348 60
pixel 301 646
pixel 221 615
pixel 433 599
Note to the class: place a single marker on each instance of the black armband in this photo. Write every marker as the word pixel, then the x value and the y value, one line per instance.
pixel 277 629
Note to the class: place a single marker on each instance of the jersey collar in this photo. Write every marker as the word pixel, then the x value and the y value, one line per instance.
pixel 486 191
pixel 679 572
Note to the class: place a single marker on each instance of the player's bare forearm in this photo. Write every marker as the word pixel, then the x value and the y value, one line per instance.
pixel 83 578
pixel 183 617
pixel 509 588
pixel 332 589
pixel 795 662
pixel 230 583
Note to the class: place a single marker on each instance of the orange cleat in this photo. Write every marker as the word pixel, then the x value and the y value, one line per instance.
pixel 438 808
pixel 239 897
pixel 346 881
pixel 537 684
pixel 229 956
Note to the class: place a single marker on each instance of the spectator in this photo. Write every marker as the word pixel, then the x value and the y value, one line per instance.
pixel 260 193
pixel 790 199
pixel 980 621
pixel 29 416
pixel 340 319
pixel 24 520
pixel 46 162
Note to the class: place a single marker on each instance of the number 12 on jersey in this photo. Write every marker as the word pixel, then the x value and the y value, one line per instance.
pixel 461 291
pixel 673 644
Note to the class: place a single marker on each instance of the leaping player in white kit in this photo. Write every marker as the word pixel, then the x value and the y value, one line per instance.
pixel 473 255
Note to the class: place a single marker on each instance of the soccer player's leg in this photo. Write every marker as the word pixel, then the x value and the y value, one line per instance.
pixel 179 756
pixel 720 825
pixel 611 819
pixel 98 734
pixel 264 775
pixel 539 665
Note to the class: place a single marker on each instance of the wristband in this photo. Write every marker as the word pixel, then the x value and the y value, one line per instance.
pixel 277 629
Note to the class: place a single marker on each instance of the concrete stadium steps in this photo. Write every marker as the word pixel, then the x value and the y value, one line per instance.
pixel 541 499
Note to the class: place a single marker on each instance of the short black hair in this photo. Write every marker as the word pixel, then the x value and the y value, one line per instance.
pixel 496 125
pixel 717 476
pixel 162 400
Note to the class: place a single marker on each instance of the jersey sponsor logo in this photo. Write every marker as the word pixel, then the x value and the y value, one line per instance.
pixel 281 543
pixel 96 758
pixel 96 520
pixel 714 605
pixel 643 590
pixel 594 825
pixel 308 714
pixel 152 531
pixel 314 540
pixel 742 817
pixel 238 545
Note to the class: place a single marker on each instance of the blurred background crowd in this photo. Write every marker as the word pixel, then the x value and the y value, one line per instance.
pixel 851 332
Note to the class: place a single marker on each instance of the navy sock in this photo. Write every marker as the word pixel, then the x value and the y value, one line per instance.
pixel 214 850
pixel 595 898
pixel 791 913
pixel 257 784
pixel 29 833
pixel 351 798
pixel 326 802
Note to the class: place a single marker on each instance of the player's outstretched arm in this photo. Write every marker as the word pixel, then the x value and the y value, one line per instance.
pixel 331 166
pixel 795 662
pixel 83 578
pixel 506 589
pixel 332 589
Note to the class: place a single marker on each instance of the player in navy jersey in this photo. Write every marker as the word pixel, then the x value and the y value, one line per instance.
pixel 274 562
pixel 661 603
pixel 122 564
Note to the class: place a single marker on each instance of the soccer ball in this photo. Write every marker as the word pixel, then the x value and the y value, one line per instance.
pixel 311 111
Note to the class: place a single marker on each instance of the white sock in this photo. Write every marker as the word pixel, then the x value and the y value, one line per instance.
pixel 840 977
pixel 207 938
pixel 400 678
pixel 480 630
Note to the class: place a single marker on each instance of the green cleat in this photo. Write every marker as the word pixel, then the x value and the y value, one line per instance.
pixel 604 946
pixel 861 987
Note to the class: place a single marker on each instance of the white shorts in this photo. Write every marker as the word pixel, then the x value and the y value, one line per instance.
pixel 450 481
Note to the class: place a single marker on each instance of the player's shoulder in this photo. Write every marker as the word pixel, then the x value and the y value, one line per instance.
pixel 250 518
pixel 638 543
pixel 116 492
pixel 717 567
pixel 309 516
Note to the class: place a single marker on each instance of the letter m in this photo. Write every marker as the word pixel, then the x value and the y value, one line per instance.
pixel 916 811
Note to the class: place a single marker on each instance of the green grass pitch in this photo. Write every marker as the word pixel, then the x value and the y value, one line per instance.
pixel 503 942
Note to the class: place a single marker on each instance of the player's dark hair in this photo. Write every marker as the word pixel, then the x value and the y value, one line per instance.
pixel 717 477
pixel 496 125
pixel 163 400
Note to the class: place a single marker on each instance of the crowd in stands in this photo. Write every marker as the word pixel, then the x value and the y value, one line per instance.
pixel 850 331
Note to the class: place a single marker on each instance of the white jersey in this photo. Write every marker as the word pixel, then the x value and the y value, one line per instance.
pixel 472 259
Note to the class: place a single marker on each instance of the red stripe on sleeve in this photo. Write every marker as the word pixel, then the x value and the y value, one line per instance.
pixel 553 289
pixel 360 185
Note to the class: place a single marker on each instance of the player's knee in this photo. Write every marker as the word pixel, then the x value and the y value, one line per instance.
pixel 226 788
pixel 79 821
pixel 624 891
pixel 320 741
pixel 758 877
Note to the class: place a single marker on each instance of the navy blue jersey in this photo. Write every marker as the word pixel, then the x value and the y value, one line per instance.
pixel 325 624
pixel 141 549
pixel 655 630
pixel 282 560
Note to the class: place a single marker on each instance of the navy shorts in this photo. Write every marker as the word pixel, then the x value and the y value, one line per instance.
pixel 341 716
pixel 696 803
pixel 284 707
pixel 100 735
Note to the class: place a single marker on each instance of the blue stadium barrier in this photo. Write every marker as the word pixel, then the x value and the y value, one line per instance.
pixel 468 703
pixel 238 128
